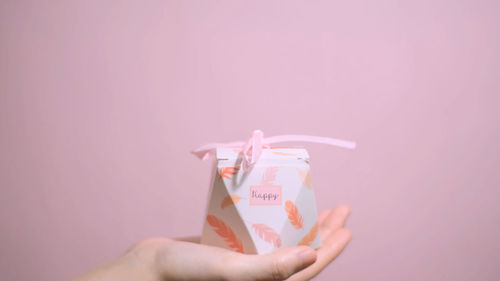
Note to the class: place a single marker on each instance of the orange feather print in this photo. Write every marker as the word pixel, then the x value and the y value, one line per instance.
pixel 269 176
pixel 268 234
pixel 284 153
pixel 309 238
pixel 226 172
pixel 229 200
pixel 305 177
pixel 293 214
pixel 225 233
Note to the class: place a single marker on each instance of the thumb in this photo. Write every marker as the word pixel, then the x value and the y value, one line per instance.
pixel 278 265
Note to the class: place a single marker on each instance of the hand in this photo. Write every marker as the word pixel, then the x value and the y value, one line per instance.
pixel 158 259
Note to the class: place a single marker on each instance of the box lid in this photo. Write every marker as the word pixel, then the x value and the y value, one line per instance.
pixel 267 153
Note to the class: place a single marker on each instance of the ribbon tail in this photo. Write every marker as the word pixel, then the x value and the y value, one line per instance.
pixel 314 139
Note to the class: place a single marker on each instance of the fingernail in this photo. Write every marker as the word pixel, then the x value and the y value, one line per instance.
pixel 307 256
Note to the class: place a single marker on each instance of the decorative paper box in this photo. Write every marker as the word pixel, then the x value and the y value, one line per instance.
pixel 268 207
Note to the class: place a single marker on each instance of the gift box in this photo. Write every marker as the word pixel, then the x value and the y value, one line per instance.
pixel 269 207
pixel 261 197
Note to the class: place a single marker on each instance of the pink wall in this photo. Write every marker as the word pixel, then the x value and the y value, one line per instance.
pixel 101 102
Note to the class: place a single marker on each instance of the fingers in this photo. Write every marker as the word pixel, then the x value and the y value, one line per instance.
pixel 334 238
pixel 278 265
pixel 332 246
pixel 334 220
pixel 322 215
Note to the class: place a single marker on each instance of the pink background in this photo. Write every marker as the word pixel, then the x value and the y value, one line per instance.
pixel 101 103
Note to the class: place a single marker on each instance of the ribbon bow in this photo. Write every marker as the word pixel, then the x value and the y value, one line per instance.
pixel 252 149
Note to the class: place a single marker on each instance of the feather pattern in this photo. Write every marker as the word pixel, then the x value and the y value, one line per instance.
pixel 226 233
pixel 268 234
pixel 269 176
pixel 309 238
pixel 284 153
pixel 305 177
pixel 229 200
pixel 293 214
pixel 227 172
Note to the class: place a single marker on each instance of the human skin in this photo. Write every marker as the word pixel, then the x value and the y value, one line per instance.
pixel 162 259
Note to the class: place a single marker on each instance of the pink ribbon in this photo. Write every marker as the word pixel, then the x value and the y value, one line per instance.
pixel 252 149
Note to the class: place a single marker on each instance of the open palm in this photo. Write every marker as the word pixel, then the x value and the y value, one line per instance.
pixel 158 259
